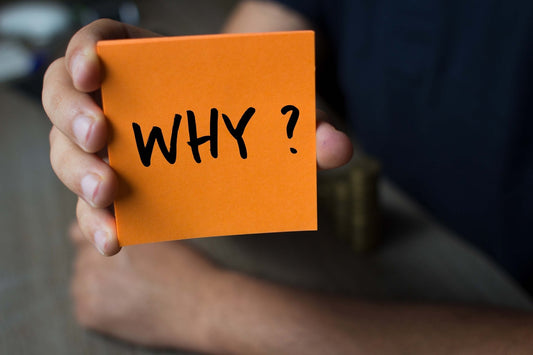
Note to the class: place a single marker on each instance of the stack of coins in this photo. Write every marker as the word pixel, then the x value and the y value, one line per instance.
pixel 365 214
pixel 349 197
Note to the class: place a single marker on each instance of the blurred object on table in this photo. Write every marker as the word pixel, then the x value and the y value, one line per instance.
pixel 349 196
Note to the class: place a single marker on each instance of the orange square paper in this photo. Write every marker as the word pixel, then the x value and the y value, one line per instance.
pixel 211 135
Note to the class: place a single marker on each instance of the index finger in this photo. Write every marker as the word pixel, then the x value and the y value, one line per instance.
pixel 81 59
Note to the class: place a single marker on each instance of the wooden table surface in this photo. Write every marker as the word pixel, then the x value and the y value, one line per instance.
pixel 419 260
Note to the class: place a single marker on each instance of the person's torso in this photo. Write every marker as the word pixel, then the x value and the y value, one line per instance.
pixel 441 91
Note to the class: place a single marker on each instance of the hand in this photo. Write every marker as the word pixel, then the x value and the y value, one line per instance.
pixel 79 133
pixel 155 294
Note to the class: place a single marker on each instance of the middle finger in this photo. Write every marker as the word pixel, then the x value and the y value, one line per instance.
pixel 83 173
pixel 75 113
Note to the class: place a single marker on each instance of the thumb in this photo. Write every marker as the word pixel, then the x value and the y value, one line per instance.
pixel 333 147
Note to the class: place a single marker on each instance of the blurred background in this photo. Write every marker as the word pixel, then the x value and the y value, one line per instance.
pixel 33 33
pixel 417 259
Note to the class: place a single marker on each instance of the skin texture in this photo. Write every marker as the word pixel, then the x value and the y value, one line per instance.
pixel 169 295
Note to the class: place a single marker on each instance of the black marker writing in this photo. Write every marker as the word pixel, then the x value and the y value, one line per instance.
pixel 239 131
pixel 145 151
pixel 195 141
pixel 170 153
pixel 295 113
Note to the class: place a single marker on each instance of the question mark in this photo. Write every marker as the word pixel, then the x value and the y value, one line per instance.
pixel 295 113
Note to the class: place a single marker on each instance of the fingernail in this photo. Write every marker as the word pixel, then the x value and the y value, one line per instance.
pixel 81 128
pixel 89 186
pixel 100 240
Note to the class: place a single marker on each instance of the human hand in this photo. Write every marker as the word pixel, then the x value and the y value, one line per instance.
pixel 79 134
pixel 161 295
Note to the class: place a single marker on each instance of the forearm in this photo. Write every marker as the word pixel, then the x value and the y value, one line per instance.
pixel 256 317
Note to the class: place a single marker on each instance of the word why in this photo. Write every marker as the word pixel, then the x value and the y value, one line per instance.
pixel 170 153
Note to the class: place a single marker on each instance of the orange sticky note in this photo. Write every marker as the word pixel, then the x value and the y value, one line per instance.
pixel 211 135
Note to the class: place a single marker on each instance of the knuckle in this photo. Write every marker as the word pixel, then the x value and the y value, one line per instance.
pixel 53 153
pixel 49 95
pixel 52 136
pixel 53 103
pixel 102 22
pixel 80 213
pixel 85 217
pixel 57 158
pixel 52 68
pixel 97 28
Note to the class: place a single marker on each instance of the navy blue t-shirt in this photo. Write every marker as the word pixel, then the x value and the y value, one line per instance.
pixel 441 91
